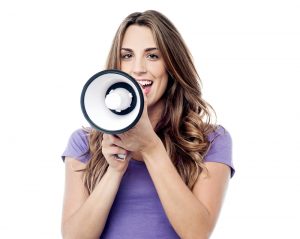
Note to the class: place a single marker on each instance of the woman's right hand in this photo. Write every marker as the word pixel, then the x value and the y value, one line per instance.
pixel 110 151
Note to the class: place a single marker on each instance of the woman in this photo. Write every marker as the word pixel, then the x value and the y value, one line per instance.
pixel 174 177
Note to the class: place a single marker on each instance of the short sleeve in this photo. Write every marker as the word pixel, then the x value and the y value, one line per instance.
pixel 220 150
pixel 78 146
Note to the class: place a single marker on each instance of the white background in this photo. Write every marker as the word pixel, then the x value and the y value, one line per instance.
pixel 247 54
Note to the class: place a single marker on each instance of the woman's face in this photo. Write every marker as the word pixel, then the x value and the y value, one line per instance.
pixel 141 58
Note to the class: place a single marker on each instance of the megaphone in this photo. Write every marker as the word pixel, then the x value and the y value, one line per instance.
pixel 112 101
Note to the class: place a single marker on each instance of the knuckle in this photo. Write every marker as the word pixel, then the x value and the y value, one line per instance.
pixel 116 150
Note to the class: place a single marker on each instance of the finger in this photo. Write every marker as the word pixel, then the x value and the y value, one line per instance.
pixel 123 135
pixel 109 140
pixel 116 140
pixel 106 140
pixel 112 150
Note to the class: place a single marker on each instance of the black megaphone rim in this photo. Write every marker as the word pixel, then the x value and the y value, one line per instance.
pixel 94 77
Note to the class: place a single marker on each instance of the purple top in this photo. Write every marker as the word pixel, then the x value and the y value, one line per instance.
pixel 137 211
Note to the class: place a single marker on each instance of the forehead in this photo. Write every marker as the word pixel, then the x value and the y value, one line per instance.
pixel 138 37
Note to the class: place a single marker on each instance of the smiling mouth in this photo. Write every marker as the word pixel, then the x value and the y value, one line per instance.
pixel 145 83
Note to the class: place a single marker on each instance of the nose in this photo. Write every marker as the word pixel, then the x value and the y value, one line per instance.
pixel 139 66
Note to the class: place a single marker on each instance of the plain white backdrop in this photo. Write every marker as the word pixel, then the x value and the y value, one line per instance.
pixel 247 54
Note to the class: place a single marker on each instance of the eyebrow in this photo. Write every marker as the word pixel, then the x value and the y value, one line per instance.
pixel 147 49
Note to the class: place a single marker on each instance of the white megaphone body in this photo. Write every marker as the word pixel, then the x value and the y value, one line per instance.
pixel 112 101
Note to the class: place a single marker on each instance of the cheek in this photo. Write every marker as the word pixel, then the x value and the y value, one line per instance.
pixel 163 82
pixel 158 70
pixel 124 67
pixel 164 79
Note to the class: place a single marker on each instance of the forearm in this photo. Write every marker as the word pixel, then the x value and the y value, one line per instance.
pixel 90 219
pixel 186 213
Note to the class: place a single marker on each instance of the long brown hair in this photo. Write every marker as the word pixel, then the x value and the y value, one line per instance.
pixel 186 119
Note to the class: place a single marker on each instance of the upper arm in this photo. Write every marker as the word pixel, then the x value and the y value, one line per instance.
pixel 210 188
pixel 75 191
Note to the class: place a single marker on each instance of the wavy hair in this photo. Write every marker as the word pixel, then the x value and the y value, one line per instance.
pixel 186 119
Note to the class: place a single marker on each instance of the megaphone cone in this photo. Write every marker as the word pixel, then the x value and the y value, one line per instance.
pixel 112 101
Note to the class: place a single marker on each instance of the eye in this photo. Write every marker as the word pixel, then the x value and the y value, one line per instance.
pixel 126 56
pixel 152 56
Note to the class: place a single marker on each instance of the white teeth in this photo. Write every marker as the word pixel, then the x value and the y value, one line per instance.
pixel 145 82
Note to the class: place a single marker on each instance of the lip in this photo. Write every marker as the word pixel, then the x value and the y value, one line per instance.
pixel 144 80
pixel 145 89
